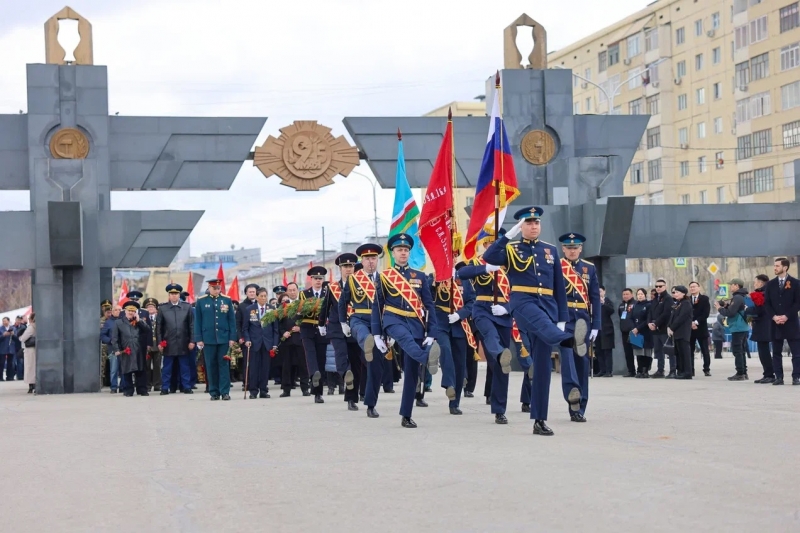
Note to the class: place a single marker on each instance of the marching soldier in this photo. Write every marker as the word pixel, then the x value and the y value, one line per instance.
pixel 214 332
pixel 153 353
pixel 175 326
pixel 405 312
pixel 358 294
pixel 259 341
pixel 538 304
pixel 348 354
pixel 583 302
pixel 314 344
pixel 453 308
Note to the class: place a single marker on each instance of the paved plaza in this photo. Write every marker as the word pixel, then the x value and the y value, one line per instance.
pixel 656 455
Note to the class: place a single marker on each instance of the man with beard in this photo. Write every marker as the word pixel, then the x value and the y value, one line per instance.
pixel 782 303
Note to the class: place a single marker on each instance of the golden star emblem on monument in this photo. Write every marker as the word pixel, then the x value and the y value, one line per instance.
pixel 306 156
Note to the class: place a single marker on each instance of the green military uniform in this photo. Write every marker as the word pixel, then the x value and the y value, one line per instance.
pixel 215 327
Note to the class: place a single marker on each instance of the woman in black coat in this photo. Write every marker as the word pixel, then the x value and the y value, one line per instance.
pixel 605 339
pixel 762 329
pixel 680 329
pixel 644 355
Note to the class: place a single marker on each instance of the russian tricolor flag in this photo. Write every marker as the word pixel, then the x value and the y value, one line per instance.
pixel 497 181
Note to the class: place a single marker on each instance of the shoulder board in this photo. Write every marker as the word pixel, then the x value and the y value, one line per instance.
pixel 203 296
pixel 509 243
pixel 587 262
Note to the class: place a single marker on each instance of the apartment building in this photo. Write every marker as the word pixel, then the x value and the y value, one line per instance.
pixel 721 81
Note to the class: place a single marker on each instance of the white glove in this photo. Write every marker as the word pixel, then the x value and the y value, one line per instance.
pixel 322 330
pixel 345 329
pixel 491 268
pixel 593 335
pixel 428 341
pixel 380 344
pixel 516 229
pixel 390 343
pixel 562 325
pixel 453 318
pixel 499 310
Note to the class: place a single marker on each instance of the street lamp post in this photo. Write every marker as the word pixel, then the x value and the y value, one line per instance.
pixel 374 201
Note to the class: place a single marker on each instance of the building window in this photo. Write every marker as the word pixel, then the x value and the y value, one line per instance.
pixel 682 102
pixel 764 180
pixel 718 125
pixel 701 164
pixel 744 147
pixel 602 61
pixel 720 195
pixel 652 105
pixel 684 169
pixel 788 174
pixel 703 197
pixel 758 30
pixel 701 130
pixel 681 69
pixel 762 142
pixel 700 95
pixel 654 138
pixel 717 90
pixel 698 28
pixel 617 110
pixel 746 187
pixel 634 78
pixel 740 37
pixel 790 56
pixel 719 160
pixel 654 170
pixel 715 20
pixel 698 62
pixel 742 110
pixel 657 198
pixel 738 6
pixel 790 95
pixel 587 74
pixel 742 75
pixel 576 108
pixel 635 107
pixel 589 105
pixel 790 17
pixel 613 55
pixel 759 67
pixel 610 86
pixel 683 135
pixel 652 73
pixel 637 173
pixel 760 105
pixel 651 39
pixel 685 199
pixel 791 134
pixel 680 36
pixel 632 46
pixel 716 55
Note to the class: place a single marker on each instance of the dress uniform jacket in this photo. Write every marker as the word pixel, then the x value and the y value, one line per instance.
pixel 176 326
pixel 483 287
pixel 242 318
pixel 578 308
pixel 216 321
pixel 329 314
pixel 354 296
pixel 397 311
pixel 442 302
pixel 308 324
pixel 786 301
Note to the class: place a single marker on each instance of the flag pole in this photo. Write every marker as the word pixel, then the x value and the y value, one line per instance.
pixel 452 208
pixel 497 186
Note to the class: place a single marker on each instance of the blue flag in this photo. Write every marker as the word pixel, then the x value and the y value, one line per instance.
pixel 405 214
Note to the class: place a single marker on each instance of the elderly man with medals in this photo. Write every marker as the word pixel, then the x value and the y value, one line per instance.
pixel 583 302
pixel 215 335
pixel 404 311
pixel 538 305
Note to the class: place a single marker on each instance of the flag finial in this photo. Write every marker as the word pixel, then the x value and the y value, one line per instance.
pixel 449 113
pixel 399 135
pixel 497 78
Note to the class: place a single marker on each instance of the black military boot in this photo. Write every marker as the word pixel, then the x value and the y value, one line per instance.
pixel 351 406
pixel 526 408
pixel 540 428
pixel 421 403
pixel 372 413
pixel 500 419
pixel 318 399
pixel 455 411
pixel 408 423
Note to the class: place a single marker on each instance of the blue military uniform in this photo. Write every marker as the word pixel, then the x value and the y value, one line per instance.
pixel 314 344
pixel 452 338
pixel 215 327
pixel 262 340
pixel 359 320
pixel 538 303
pixel 583 302
pixel 345 348
pixel 393 316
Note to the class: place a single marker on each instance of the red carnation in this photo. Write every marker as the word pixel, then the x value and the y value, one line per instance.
pixel 127 351
pixel 272 353
pixel 757 297
pixel 147 357
pixel 162 344
pixel 227 357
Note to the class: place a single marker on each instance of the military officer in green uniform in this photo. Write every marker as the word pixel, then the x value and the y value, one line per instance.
pixel 215 334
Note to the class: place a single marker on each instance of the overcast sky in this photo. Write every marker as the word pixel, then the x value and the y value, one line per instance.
pixel 316 59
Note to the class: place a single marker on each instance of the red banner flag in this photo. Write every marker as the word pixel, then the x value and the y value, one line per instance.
pixel 437 210
pixel 308 278
pixel 123 291
pixel 285 278
pixel 233 293
pixel 190 288
pixel 221 277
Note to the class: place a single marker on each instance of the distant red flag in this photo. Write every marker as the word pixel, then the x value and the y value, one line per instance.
pixel 308 278
pixel 233 293
pixel 123 291
pixel 437 210
pixel 294 277
pixel 190 288
pixel 330 275
pixel 221 277
pixel 285 278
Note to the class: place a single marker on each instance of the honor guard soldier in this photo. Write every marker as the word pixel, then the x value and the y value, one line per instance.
pixel 453 308
pixel 259 341
pixel 314 344
pixel 214 333
pixel 493 322
pixel 346 349
pixel 175 325
pixel 405 312
pixel 538 303
pixel 583 302
pixel 358 296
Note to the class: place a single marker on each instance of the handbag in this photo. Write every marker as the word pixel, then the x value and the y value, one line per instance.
pixel 669 346
pixel 30 342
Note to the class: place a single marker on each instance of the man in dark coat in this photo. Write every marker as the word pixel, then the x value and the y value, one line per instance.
pixel 658 320
pixel 680 329
pixel 126 343
pixel 605 340
pixel 762 328
pixel 701 308
pixel 626 325
pixel 291 349
pixel 782 303
pixel 175 333
pixel 259 341
pixel 241 323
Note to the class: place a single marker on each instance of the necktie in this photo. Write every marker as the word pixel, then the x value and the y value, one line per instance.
pixel 152 317
pixel 261 314
pixel 316 294
pixel 781 282
pixel 694 300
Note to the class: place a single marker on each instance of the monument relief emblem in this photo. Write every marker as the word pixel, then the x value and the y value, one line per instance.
pixel 538 147
pixel 69 143
pixel 306 156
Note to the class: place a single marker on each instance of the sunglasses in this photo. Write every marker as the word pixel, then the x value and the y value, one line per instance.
pixel 660 286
